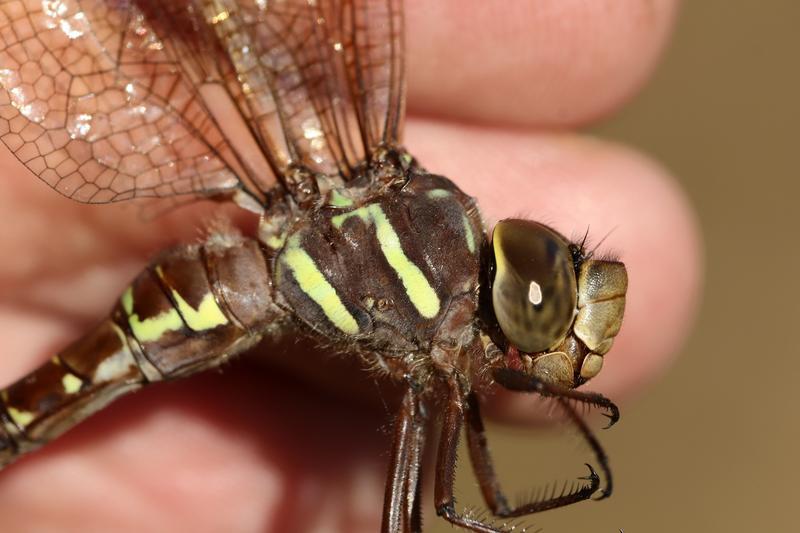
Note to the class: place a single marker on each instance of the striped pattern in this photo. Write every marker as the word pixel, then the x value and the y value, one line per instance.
pixel 64 390
pixel 383 270
pixel 168 323
pixel 416 285
pixel 315 286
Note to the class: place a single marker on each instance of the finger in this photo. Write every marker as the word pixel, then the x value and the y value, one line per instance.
pixel 565 181
pixel 562 180
pixel 240 452
pixel 548 63
pixel 69 235
pixel 574 183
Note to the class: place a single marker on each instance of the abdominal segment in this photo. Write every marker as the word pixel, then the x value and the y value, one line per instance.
pixel 191 309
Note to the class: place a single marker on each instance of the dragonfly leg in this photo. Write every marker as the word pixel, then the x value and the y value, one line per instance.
pixel 413 500
pixel 514 380
pixel 446 464
pixel 487 478
pixel 401 510
pixel 481 459
pixel 518 381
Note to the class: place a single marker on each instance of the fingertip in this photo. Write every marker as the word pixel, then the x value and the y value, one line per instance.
pixel 662 248
pixel 546 63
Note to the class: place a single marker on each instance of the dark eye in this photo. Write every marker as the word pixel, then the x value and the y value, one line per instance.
pixel 534 293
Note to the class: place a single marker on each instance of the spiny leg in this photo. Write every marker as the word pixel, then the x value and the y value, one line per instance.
pixel 487 478
pixel 446 464
pixel 518 381
pixel 481 459
pixel 594 444
pixel 515 380
pixel 401 508
pixel 413 500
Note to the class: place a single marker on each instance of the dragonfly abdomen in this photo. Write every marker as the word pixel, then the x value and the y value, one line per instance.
pixel 196 305
pixel 191 309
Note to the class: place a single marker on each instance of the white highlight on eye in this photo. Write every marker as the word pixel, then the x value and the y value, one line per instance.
pixel 534 293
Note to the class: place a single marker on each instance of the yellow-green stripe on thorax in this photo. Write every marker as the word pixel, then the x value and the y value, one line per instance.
pixel 313 283
pixel 337 199
pixel 417 287
pixel 470 236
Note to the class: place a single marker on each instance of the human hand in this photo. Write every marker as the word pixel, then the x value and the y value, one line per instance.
pixel 254 450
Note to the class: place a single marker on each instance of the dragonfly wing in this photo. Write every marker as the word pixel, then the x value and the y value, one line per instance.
pixel 107 101
pixel 92 104
pixel 320 82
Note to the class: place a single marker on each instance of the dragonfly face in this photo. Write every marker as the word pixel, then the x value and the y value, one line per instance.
pixel 294 110
pixel 559 308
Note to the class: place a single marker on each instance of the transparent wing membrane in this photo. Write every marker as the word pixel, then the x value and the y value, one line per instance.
pixel 107 101
pixel 92 106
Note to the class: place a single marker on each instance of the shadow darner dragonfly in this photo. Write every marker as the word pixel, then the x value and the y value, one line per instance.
pixel 293 110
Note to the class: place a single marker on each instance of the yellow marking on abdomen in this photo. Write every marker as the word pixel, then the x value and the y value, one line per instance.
pixel 20 418
pixel 117 365
pixel 208 314
pixel 71 383
pixel 313 283
pixel 150 329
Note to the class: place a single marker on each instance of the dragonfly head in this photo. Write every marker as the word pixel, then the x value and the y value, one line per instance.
pixel 552 309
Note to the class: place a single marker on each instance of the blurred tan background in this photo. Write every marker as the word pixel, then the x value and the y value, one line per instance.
pixel 714 445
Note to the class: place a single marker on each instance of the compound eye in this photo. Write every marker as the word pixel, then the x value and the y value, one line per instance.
pixel 534 293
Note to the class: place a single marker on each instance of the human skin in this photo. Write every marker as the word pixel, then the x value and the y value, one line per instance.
pixel 493 97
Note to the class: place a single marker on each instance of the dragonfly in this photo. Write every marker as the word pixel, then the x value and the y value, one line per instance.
pixel 293 110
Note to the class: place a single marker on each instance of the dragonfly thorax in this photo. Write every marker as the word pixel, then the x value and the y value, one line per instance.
pixel 384 267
